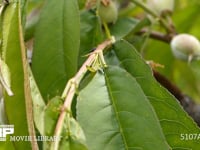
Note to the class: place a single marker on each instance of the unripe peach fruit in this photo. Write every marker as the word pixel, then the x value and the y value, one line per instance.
pixel 108 13
pixel 185 47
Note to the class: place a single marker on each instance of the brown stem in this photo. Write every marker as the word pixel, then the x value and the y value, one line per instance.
pixel 27 90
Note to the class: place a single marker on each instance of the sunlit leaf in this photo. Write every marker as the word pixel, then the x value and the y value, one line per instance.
pixel 173 119
pixel 115 114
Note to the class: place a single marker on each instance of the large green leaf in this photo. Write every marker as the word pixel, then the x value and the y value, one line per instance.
pixel 13 53
pixel 173 119
pixel 56 46
pixel 115 114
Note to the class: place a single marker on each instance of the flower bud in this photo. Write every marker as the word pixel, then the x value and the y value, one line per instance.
pixel 108 13
pixel 185 47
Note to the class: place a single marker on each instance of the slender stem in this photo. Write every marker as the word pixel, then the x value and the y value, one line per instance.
pixel 72 89
pixel 27 90
pixel 146 38
pixel 106 30
pixel 145 8
pixel 166 25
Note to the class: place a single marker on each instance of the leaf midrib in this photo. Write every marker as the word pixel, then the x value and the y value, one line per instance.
pixel 115 109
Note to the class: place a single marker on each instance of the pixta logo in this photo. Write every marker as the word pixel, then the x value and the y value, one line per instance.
pixel 5 130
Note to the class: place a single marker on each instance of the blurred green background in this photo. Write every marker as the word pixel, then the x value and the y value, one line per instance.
pixel 186 18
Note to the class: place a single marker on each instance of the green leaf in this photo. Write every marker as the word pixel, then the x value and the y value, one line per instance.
pixel 56 46
pixel 123 27
pixel 72 135
pixel 5 77
pixel 7 145
pixel 81 3
pixel 13 54
pixel 180 17
pixel 152 52
pixel 38 105
pixel 3 119
pixel 173 119
pixel 31 24
pixel 91 33
pixel 52 112
pixel 115 114
pixel 189 83
pixel 127 26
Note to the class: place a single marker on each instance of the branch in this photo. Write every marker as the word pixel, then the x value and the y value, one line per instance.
pixel 156 35
pixel 72 86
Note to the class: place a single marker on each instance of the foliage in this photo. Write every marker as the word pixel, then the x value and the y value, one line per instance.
pixel 89 85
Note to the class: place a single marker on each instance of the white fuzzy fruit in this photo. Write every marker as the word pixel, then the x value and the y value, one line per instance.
pixel 185 47
pixel 161 5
